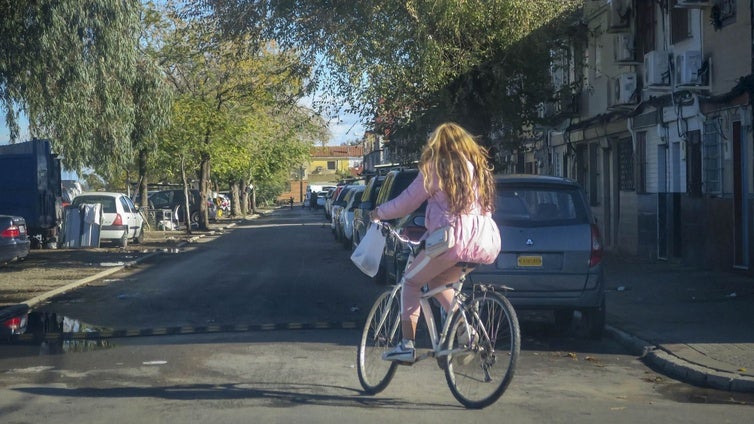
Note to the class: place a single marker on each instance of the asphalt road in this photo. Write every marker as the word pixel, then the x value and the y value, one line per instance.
pixel 243 296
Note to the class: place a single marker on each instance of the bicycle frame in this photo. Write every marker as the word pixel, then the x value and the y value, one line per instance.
pixel 476 369
pixel 438 339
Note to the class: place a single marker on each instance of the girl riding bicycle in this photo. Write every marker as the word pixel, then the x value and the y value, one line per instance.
pixel 456 181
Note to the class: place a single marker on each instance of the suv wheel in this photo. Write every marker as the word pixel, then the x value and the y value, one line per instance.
pixel 563 320
pixel 595 320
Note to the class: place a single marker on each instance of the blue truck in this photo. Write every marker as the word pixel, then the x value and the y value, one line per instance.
pixel 30 187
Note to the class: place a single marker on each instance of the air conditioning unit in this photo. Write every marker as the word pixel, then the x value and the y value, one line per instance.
pixel 623 46
pixel 692 3
pixel 656 69
pixel 687 65
pixel 623 90
pixel 619 15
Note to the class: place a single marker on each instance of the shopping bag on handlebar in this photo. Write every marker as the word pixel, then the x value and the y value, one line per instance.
pixel 368 253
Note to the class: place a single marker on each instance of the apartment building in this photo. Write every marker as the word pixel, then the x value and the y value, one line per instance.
pixel 654 119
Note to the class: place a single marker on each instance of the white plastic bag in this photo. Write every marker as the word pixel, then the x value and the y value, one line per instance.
pixel 368 253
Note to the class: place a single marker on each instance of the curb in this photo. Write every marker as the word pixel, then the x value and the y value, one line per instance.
pixel 31 303
pixel 676 367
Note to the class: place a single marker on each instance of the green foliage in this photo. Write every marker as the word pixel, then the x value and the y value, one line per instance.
pixel 70 66
pixel 236 105
pixel 410 64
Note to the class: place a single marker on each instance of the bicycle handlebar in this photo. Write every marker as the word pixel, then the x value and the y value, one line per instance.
pixel 388 227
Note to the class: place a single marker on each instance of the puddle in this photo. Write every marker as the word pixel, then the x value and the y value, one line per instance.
pixel 59 334
pixel 685 393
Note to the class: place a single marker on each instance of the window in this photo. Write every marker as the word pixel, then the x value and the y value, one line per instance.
pixel 723 13
pixel 594 175
pixel 640 161
pixel 626 164
pixel 331 165
pixel 712 158
pixel 694 163
pixel 645 25
pixel 679 24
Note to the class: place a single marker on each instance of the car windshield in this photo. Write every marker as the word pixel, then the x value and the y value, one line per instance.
pixel 539 206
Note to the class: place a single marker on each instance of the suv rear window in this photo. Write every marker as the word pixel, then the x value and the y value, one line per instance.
pixel 395 183
pixel 539 206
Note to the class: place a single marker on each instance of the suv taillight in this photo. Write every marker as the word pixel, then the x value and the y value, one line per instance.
pixel 118 220
pixel 11 232
pixel 596 255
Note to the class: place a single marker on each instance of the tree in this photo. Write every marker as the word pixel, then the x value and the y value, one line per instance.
pixel 223 81
pixel 411 63
pixel 69 67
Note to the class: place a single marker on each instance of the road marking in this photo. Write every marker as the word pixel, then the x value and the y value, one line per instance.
pixel 108 333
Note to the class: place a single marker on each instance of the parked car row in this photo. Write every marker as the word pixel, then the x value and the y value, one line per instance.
pixel 551 256
pixel 173 201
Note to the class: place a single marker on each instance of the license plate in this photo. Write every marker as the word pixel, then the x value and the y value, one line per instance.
pixel 22 229
pixel 529 261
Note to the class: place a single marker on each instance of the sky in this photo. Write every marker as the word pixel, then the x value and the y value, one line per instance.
pixel 344 128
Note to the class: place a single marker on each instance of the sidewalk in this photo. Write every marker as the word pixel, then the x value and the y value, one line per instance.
pixel 693 325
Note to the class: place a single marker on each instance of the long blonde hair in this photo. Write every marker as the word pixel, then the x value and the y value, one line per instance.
pixel 447 153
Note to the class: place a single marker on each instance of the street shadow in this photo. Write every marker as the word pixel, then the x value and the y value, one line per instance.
pixel 274 394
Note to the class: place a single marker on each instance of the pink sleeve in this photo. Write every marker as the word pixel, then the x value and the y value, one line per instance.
pixel 406 202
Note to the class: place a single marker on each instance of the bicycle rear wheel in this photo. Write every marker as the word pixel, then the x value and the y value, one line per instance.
pixel 381 333
pixel 482 365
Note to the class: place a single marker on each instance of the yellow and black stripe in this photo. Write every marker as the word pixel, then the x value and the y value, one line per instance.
pixel 182 330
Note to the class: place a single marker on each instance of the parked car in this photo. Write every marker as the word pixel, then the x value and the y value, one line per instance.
pixel 345 218
pixel 396 252
pixel 14 240
pixel 321 197
pixel 174 200
pixel 14 319
pixel 361 212
pixel 121 220
pixel 337 205
pixel 552 249
pixel 330 199
pixel 395 182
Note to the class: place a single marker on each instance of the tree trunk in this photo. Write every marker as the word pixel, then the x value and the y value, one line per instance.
pixel 254 199
pixel 203 189
pixel 185 209
pixel 143 187
pixel 235 199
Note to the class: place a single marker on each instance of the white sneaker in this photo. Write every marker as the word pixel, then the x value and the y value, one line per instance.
pixel 404 352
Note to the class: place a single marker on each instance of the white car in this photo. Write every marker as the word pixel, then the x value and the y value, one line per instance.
pixel 121 220
pixel 345 229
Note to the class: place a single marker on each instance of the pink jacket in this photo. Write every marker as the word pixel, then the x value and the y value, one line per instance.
pixel 477 235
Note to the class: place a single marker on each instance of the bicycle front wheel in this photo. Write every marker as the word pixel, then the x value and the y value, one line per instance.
pixel 381 333
pixel 481 364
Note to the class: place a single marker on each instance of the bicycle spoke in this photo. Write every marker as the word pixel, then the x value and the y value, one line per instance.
pixel 479 376
pixel 380 334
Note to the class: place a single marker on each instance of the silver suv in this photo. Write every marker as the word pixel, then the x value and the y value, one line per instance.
pixel 552 249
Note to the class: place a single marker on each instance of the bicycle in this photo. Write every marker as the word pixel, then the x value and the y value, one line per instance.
pixel 477 345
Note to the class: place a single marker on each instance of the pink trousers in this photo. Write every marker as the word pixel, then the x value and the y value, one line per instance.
pixel 433 272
